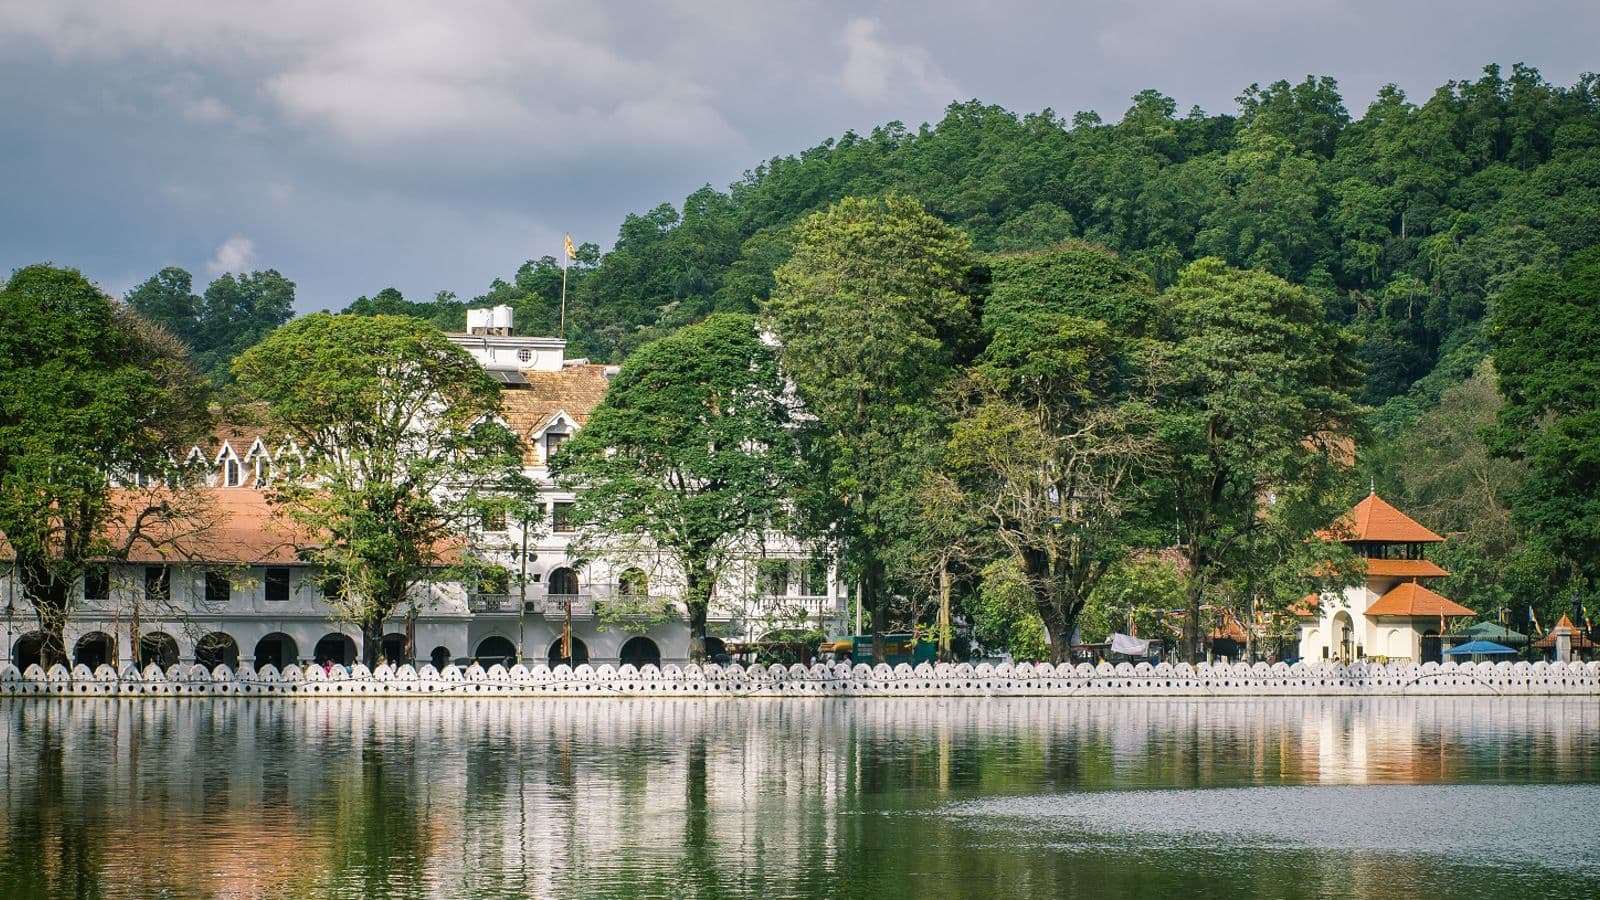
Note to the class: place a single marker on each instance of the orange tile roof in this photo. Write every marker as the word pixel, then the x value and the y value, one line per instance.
pixel 1580 641
pixel 1309 605
pixel 1412 599
pixel 1404 568
pixel 575 390
pixel 1374 520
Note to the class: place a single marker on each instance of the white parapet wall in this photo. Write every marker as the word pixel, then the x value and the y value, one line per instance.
pixel 821 680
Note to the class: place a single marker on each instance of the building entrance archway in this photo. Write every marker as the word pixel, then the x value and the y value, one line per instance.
pixel 580 653
pixel 217 649
pixel 159 649
pixel 276 649
pixel 95 649
pixel 640 652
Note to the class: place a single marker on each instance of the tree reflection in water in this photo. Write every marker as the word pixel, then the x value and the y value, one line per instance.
pixel 618 797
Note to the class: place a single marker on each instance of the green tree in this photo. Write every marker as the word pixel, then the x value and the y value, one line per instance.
pixel 404 454
pixel 1546 338
pixel 872 312
pixel 1255 413
pixel 1054 428
pixel 167 299
pixel 691 452
pixel 91 395
pixel 237 313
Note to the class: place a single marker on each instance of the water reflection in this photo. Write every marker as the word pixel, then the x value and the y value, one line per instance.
pixel 412 797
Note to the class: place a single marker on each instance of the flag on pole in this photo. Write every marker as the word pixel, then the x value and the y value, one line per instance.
pixel 571 252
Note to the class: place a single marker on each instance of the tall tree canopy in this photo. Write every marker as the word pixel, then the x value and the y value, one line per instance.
pixel 692 452
pixel 90 395
pixel 404 454
pixel 1547 352
pixel 1053 431
pixel 236 312
pixel 874 313
pixel 1255 412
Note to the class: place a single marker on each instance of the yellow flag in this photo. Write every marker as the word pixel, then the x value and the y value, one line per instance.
pixel 572 252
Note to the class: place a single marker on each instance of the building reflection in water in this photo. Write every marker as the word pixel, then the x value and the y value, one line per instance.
pixel 545 797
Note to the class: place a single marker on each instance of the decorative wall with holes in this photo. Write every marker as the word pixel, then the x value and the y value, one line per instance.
pixel 838 680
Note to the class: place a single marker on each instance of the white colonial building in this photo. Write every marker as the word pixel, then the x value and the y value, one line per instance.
pixel 234 591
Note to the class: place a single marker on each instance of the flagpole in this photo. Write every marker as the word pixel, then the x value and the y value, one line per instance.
pixel 563 294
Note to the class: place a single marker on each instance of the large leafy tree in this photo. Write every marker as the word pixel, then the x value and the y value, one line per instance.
pixel 1547 352
pixel 692 452
pixel 236 313
pixel 1056 427
pixel 90 394
pixel 1255 413
pixel 404 454
pixel 873 312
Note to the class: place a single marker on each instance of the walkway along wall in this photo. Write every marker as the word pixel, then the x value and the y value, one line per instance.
pixel 839 680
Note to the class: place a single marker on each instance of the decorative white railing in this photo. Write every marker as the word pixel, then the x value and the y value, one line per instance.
pixel 1084 680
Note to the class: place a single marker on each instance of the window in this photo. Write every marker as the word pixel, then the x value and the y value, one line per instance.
pixel 815 577
pixel 262 471
pixel 552 443
pixel 278 585
pixel 772 576
pixel 494 520
pixel 524 354
pixel 561 517
pixel 97 583
pixel 158 583
pixel 633 583
pixel 219 587
pixel 232 475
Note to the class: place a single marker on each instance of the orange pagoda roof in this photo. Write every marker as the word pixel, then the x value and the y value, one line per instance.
pixel 1404 568
pixel 1412 599
pixel 1374 520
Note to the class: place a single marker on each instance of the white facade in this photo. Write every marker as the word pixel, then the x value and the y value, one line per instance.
pixel 548 398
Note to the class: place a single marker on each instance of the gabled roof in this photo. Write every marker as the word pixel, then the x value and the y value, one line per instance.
pixel 1580 641
pixel 575 390
pixel 1412 599
pixel 1374 520
pixel 1404 568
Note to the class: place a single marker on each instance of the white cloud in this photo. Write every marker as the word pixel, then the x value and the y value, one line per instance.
pixel 236 254
pixel 877 71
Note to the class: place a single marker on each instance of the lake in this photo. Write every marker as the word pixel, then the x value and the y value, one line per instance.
pixel 805 797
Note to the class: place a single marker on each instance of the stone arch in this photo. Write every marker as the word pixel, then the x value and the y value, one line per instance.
pixel 395 648
pixel 640 651
pixel 277 649
pixel 440 657
pixel 715 648
pixel 580 653
pixel 28 650
pixel 633 582
pixel 217 649
pixel 1344 637
pixel 157 648
pixel 496 649
pixel 562 581
pixel 339 649
pixel 95 649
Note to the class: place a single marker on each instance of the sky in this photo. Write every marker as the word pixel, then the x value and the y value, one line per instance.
pixel 435 146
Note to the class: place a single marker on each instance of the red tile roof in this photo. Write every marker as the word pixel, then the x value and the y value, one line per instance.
pixel 1580 641
pixel 1412 599
pixel 1404 568
pixel 1310 605
pixel 1374 520
pixel 575 390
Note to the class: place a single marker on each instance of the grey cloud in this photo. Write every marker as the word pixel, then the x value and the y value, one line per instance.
pixel 434 146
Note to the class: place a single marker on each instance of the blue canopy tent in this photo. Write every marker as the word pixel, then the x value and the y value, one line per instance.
pixel 1480 648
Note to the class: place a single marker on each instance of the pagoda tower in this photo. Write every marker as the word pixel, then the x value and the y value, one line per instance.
pixel 1391 615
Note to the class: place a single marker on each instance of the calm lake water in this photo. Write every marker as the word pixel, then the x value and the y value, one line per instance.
pixel 1389 797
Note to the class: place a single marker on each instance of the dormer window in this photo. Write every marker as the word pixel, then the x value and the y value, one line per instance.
pixel 232 475
pixel 262 470
pixel 552 443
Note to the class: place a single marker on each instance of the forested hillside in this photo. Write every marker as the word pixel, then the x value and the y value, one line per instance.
pixel 1407 223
